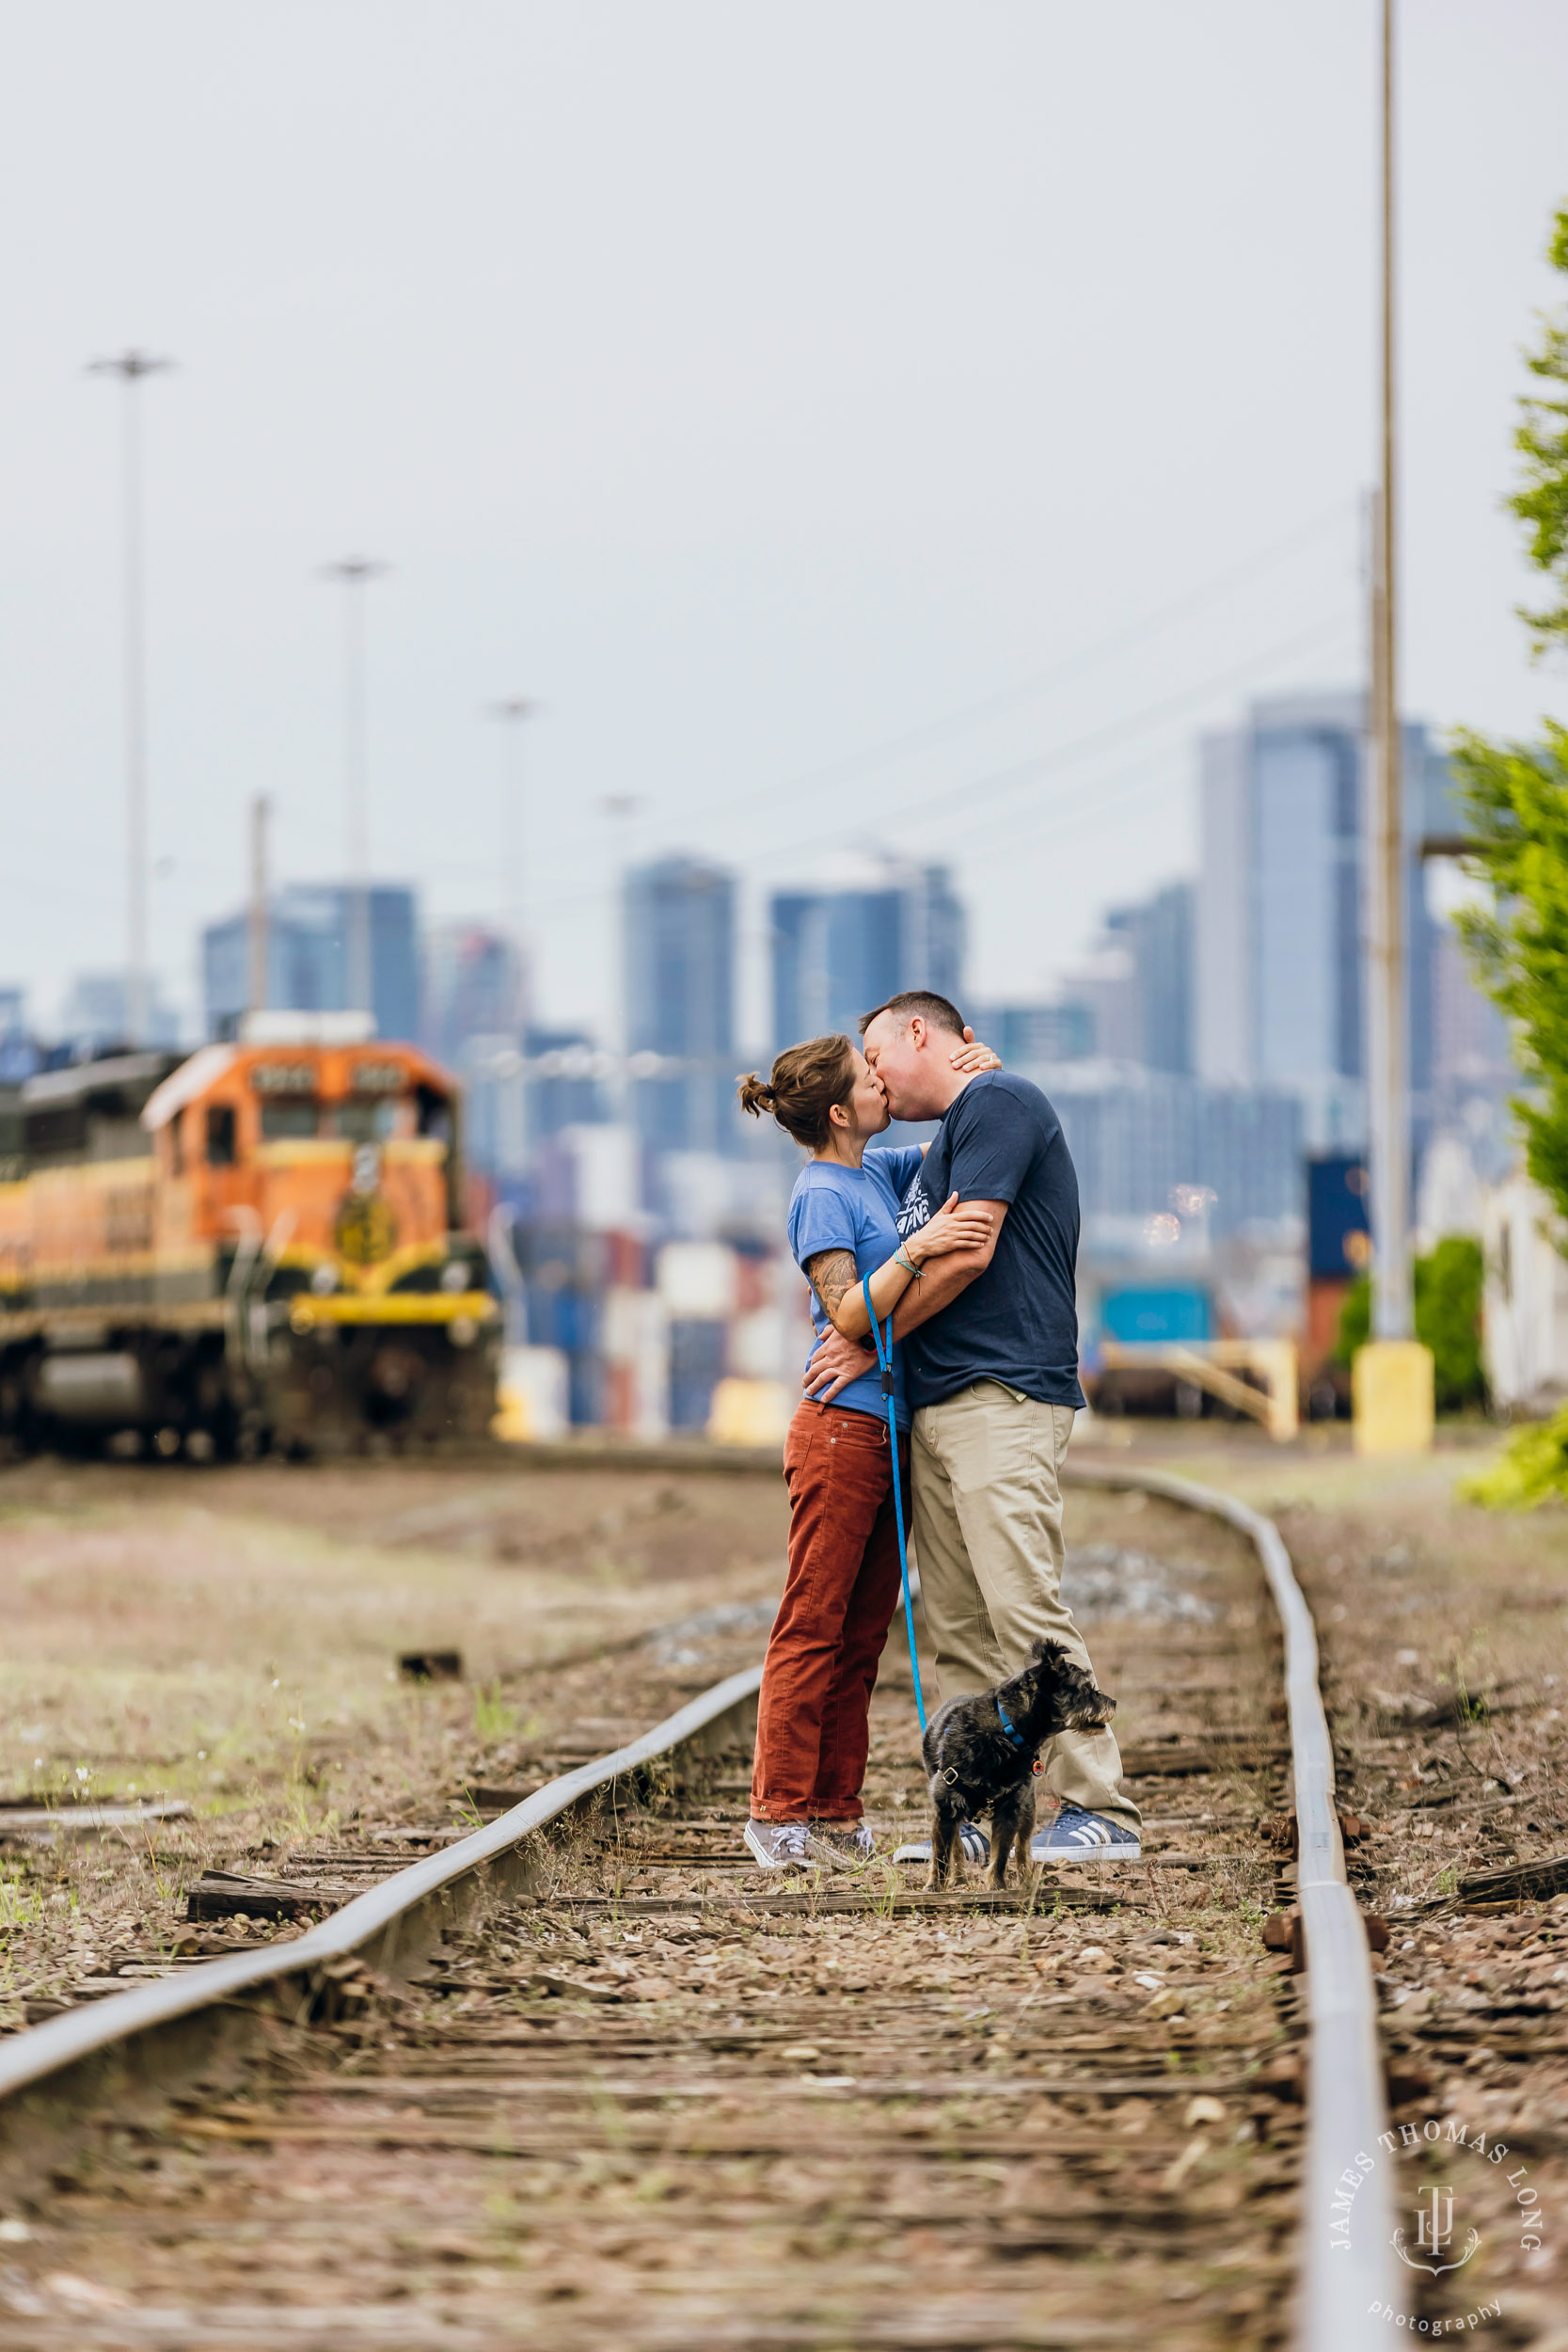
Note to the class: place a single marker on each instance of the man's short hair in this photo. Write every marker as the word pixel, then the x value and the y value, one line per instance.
pixel 933 1009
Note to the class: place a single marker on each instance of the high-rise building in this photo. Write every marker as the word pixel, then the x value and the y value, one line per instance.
pixel 1158 937
pixel 680 922
pixel 20 1052
pixel 1136 984
pixel 1061 1031
pixel 1470 1046
pixel 472 986
pixel 1141 1139
pixel 858 939
pixel 1280 906
pixel 96 1015
pixel 309 933
pixel 566 1082
pixel 1105 982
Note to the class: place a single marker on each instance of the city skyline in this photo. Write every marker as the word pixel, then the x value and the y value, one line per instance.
pixel 827 574
pixel 1142 994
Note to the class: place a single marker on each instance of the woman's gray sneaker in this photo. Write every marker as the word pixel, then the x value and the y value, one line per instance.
pixel 852 1842
pixel 1076 1835
pixel 781 1844
pixel 972 1842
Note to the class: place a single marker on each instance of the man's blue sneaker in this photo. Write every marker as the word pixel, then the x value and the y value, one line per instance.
pixel 1076 1835
pixel 974 1844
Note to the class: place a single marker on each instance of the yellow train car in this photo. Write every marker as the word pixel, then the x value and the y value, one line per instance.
pixel 256 1245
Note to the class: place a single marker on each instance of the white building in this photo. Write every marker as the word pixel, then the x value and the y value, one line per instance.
pixel 1526 1298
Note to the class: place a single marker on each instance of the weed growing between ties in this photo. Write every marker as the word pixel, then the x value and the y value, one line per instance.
pixel 657 2076
pixel 225 1641
pixel 494 1717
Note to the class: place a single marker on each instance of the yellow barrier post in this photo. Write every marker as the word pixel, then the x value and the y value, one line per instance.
pixel 750 1412
pixel 1393 1397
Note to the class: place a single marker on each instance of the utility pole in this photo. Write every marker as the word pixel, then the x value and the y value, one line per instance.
pixel 513 1096
pixel 620 809
pixel 131 367
pixel 513 714
pixel 1392 1377
pixel 1388 1014
pixel 260 809
pixel 355 573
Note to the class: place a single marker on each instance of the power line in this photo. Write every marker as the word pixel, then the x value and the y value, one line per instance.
pixel 1029 824
pixel 563 904
pixel 1065 756
pixel 968 714
pixel 1045 763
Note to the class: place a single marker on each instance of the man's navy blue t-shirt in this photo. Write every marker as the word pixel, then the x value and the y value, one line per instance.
pixel 1018 1322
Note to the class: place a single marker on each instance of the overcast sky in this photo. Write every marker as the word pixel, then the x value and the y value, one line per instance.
pixel 867 423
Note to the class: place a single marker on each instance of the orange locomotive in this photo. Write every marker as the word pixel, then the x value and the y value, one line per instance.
pixel 252 1246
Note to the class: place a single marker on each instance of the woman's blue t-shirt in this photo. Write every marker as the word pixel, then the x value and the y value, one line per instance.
pixel 833 1207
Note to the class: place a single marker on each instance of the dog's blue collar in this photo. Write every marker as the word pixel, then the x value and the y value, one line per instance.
pixel 1014 1735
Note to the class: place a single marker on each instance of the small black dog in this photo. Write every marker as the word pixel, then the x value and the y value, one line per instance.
pixel 980 1754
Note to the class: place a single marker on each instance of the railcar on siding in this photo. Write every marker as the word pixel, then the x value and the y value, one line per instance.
pixel 254 1246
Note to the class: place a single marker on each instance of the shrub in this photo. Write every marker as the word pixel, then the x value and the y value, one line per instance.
pixel 1448 1320
pixel 1533 1470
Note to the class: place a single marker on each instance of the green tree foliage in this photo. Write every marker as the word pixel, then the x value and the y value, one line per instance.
pixel 1518 796
pixel 1518 793
pixel 1517 799
pixel 1448 1320
pixel 1533 1470
pixel 1541 441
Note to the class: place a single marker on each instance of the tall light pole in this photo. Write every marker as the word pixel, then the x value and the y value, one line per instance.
pixel 255 993
pixel 1392 1377
pixel 131 367
pixel 353 573
pixel 620 809
pixel 513 714
pixel 1389 1054
pixel 513 1102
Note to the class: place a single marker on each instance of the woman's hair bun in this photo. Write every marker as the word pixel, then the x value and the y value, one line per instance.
pixel 756 1095
pixel 807 1081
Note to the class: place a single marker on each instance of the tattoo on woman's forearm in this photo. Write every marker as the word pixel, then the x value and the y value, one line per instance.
pixel 831 1275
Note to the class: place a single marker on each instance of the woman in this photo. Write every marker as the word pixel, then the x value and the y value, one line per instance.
pixel 843 1583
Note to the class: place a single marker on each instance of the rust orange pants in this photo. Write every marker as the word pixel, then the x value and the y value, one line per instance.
pixel 813 1727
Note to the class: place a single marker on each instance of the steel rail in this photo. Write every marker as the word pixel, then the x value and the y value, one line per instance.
pixel 379 1915
pixel 1345 2275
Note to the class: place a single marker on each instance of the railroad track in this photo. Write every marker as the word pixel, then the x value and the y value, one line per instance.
pixel 584 2078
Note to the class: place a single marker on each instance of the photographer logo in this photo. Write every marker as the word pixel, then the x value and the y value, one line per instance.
pixel 1434 2235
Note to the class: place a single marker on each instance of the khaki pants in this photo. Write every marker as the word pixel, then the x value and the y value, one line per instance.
pixel 985 1469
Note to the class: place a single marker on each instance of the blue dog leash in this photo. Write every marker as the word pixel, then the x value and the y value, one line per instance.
pixel 884 1358
pixel 1013 1734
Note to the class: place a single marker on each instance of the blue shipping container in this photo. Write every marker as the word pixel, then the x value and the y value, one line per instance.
pixel 1336 1228
pixel 1153 1315
pixel 696 1367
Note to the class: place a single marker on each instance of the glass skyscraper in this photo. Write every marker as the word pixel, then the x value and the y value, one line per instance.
pixel 680 920
pixel 1280 906
pixel 846 945
pixel 308 928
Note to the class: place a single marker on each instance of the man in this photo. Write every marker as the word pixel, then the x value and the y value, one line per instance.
pixel 991 1367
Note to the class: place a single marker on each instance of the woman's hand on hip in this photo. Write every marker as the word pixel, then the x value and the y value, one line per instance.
pixel 954 1227
pixel 835 1361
